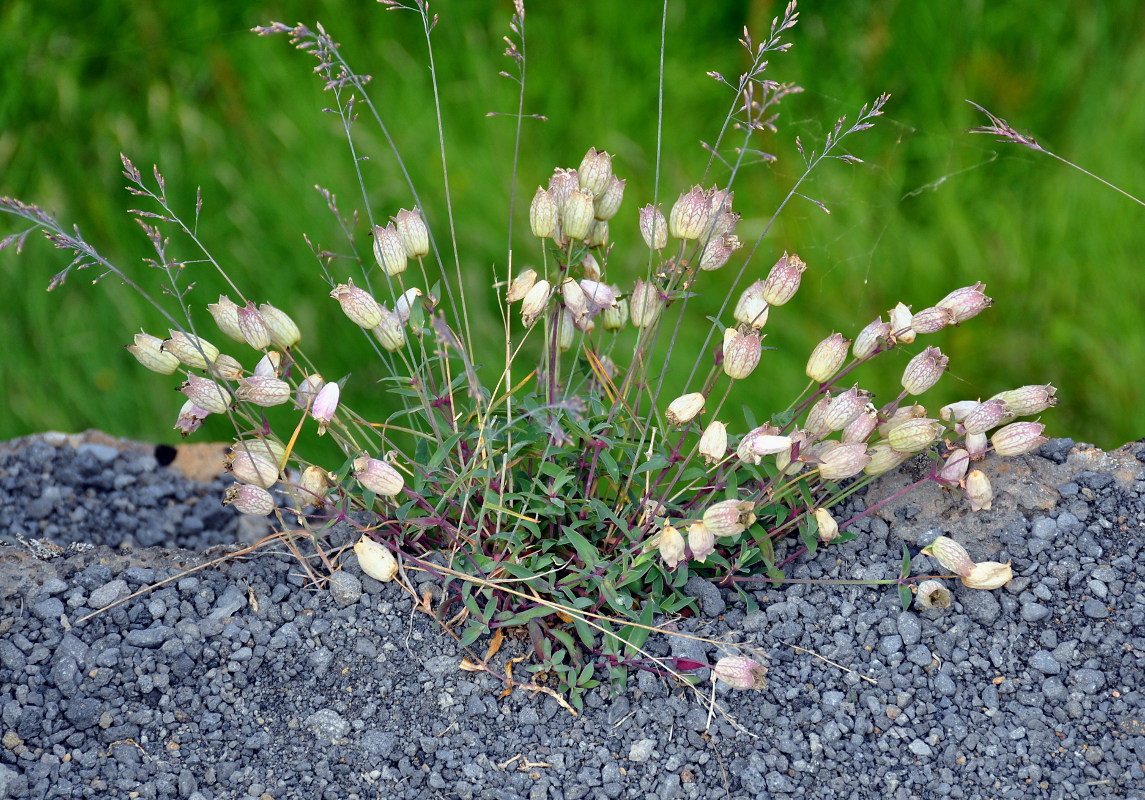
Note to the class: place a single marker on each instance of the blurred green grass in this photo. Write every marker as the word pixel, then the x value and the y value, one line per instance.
pixel 187 87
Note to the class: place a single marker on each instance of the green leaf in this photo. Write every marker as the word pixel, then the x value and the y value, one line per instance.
pixel 509 619
pixel 472 633
pixel 905 597
pixel 656 462
pixel 807 533
pixel 777 575
pixel 584 548
pixel 610 465
pixel 636 637
pixel 905 573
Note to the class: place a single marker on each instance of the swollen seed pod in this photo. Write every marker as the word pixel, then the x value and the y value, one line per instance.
pixel 228 368
pixel 574 299
pixel 914 435
pixel 206 394
pixel 577 215
pixel 308 390
pixel 562 184
pixel 714 443
pixel 390 332
pixel 268 366
pixel 843 461
pixel 954 467
pixel 828 527
pixel 1027 400
pixel 924 370
pixel 729 517
pixel 988 575
pixel 684 408
pixel 741 353
pixel 314 483
pixel 740 672
pixel 375 559
pixel 249 499
pixel 967 302
pixel 194 352
pixel 284 332
pixel 932 320
pixel 985 416
pixel 226 315
pixel 616 317
pixel 975 444
pixel 599 296
pixel 264 446
pixel 1018 438
pixel 645 304
pixel 861 427
pixel 543 214
pixel 932 594
pixel 783 281
pixel 827 358
pixel 978 490
pixel 701 541
pixel 265 392
pixel 253 467
pixel 255 331
pixel 844 407
pixel 690 216
pixel 378 476
pixel 761 442
pixel 751 309
pixel 870 338
pixel 597 234
pixel 595 171
pixel 148 351
pixel 884 458
pixel 357 304
pixel 671 546
pixel 956 412
pixel 566 330
pixel 190 418
pixel 535 302
pixel 653 227
pixel 718 251
pixel 608 203
pixel 901 330
pixel 389 251
pixel 521 285
pixel 951 555
pixel 413 234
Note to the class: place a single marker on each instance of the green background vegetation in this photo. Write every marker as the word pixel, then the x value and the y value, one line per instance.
pixel 187 87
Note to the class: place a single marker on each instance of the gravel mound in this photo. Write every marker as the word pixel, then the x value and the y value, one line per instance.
pixel 238 681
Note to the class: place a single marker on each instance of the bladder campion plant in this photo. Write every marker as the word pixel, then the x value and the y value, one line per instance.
pixel 566 494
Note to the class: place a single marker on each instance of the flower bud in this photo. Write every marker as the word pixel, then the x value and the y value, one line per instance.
pixel 267 366
pixel 985 416
pixel 577 215
pixel 253 467
pixel 265 392
pixel 978 490
pixel 844 407
pixel 924 370
pixel 574 299
pixel 861 427
pixel 598 295
pixel 1027 400
pixel 751 309
pixel 901 330
pixel 684 408
pixel 1018 438
pixel 594 171
pixel 933 594
pixel 248 499
pixel 653 227
pixel 843 461
pixel 190 418
pixel 740 672
pixel 226 315
pixel 932 320
pixel 413 234
pixel 701 541
pixel 325 405
pixel 957 411
pixel 884 458
pixel 827 358
pixel 357 304
pixel 828 527
pixel 283 332
pixel 314 483
pixel 389 251
pixel 975 444
pixel 616 317
pixel 671 545
pixel 378 476
pixel 375 559
pixel 914 434
pixel 729 517
pixel 714 443
pixel 690 216
pixel 718 250
pixel 783 281
pixel 308 390
pixel 206 394
pixel 870 337
pixel 148 350
pixel 608 203
pixel 954 468
pixel 543 214
pixel 760 442
pixel 645 304
pixel 967 302
pixel 951 555
pixel 535 302
pixel 988 575
pixel 566 329
pixel 741 353
pixel 194 352
pixel 255 331
pixel 390 332
pixel 403 306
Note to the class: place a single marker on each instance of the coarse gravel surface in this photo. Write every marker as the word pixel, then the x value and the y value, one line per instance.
pixel 237 681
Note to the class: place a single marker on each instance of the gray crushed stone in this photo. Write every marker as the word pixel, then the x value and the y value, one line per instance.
pixel 238 681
